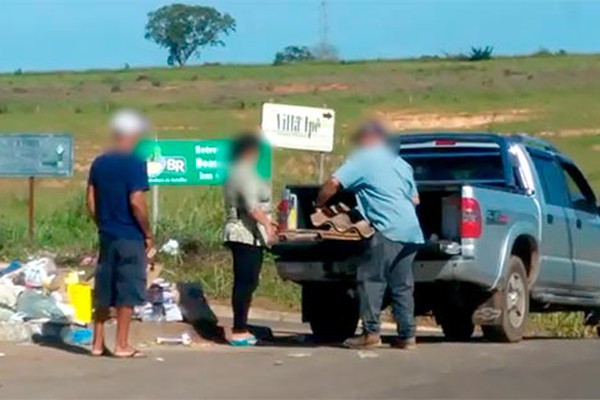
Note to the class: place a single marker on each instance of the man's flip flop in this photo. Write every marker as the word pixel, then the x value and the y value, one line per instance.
pixel 133 354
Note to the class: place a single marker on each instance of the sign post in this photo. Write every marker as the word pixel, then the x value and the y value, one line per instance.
pixel 31 214
pixel 321 167
pixel 155 209
pixel 300 128
pixel 35 155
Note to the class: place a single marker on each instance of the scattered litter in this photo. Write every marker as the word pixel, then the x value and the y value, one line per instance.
pixel 278 363
pixel 10 268
pixel 81 336
pixel 367 354
pixel 171 248
pixel 9 292
pixel 88 261
pixel 299 355
pixel 35 275
pixel 6 314
pixel 184 339
pixel 159 359
pixel 162 303
pixel 35 304
pixel 194 306
pixel 15 332
pixel 39 271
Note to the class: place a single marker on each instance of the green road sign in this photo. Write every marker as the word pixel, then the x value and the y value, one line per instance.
pixel 193 162
pixel 36 155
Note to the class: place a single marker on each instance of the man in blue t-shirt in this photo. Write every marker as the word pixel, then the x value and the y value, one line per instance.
pixel 116 201
pixel 387 196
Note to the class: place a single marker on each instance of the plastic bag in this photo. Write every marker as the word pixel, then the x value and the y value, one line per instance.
pixel 36 305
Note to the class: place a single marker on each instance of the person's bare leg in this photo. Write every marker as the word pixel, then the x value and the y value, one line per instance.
pixel 124 315
pixel 100 317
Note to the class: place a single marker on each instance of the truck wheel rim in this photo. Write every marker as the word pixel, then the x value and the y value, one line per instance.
pixel 515 300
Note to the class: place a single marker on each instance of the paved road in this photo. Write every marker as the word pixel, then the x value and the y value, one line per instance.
pixel 535 368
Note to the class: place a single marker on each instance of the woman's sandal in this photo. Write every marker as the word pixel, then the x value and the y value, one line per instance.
pixel 244 342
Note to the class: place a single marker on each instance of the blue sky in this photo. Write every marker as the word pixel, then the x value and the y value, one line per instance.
pixel 81 34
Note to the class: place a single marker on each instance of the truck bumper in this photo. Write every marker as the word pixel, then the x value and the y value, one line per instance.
pixel 454 269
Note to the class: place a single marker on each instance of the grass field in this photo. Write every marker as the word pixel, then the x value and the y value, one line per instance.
pixel 553 96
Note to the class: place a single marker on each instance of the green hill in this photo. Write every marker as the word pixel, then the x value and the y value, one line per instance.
pixel 553 96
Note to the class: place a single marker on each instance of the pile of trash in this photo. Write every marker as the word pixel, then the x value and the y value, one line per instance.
pixel 33 297
pixel 40 300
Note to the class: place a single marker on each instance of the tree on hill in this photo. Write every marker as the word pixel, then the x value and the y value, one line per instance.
pixel 184 29
pixel 292 54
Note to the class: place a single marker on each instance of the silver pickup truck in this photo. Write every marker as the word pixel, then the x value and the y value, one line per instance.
pixel 512 227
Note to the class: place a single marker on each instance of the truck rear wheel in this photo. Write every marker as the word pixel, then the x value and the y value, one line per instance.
pixel 515 306
pixel 454 311
pixel 331 310
pixel 457 326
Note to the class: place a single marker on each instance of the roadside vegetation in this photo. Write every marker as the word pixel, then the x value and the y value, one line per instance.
pixel 549 94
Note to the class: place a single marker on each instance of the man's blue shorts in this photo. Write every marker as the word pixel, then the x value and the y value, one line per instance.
pixel 121 273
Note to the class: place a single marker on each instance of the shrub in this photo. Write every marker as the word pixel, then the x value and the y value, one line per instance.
pixel 542 52
pixel 481 53
pixel 293 54
pixel 115 87
pixel 113 83
pixel 18 72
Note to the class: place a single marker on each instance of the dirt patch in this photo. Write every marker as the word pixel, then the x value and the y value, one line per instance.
pixel 295 88
pixel 572 132
pixel 411 120
pixel 80 167
pixel 54 183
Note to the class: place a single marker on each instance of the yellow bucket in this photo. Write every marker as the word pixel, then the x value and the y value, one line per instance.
pixel 80 296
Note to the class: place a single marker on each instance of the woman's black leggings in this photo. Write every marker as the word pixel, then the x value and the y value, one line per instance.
pixel 247 263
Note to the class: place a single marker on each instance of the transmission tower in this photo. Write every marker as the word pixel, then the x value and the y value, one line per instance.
pixel 324 48
pixel 323 25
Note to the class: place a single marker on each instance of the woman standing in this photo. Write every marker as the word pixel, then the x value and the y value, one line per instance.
pixel 248 230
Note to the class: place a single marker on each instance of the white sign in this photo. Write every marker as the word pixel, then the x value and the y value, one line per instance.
pixel 301 128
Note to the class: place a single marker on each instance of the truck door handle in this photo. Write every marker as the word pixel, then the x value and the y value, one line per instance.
pixel 550 218
pixel 578 224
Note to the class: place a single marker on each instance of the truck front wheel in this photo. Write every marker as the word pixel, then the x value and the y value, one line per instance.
pixel 331 310
pixel 515 306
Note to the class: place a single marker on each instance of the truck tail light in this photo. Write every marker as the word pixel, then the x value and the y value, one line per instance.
pixel 471 224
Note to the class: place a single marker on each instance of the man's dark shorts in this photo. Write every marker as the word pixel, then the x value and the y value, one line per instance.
pixel 121 273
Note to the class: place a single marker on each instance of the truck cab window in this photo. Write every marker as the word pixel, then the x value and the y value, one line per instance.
pixel 552 180
pixel 581 195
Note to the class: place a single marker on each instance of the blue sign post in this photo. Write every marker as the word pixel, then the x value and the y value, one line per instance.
pixel 35 155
